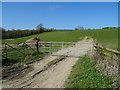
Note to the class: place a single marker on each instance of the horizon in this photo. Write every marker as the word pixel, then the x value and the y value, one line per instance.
pixel 59 15
pixel 64 29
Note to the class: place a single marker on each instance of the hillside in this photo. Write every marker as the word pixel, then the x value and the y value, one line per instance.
pixel 107 37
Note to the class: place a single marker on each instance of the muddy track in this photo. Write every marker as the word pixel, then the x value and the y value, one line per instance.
pixel 54 76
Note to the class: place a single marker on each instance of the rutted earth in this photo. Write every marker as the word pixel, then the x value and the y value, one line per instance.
pixel 56 75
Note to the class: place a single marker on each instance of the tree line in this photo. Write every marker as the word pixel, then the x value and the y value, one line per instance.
pixel 110 27
pixel 8 34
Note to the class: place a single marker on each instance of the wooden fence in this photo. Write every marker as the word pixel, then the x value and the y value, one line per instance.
pixel 107 60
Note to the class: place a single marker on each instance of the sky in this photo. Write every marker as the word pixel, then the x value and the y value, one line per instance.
pixel 60 0
pixel 59 15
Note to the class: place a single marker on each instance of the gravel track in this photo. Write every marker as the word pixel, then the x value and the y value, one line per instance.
pixel 56 75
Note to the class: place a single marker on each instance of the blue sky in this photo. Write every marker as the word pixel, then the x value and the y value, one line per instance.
pixel 59 15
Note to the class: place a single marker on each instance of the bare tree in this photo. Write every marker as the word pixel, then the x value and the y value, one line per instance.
pixel 40 27
pixel 79 28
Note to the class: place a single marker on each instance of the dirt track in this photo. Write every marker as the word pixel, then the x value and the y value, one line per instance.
pixel 56 75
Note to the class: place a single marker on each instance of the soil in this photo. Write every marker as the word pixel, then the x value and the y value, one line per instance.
pixel 55 76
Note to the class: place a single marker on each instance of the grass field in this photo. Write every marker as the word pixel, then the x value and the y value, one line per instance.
pixel 106 37
pixel 85 75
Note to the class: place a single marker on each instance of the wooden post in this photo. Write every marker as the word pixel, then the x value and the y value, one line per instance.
pixel 62 45
pixel 37 47
pixel 6 50
pixel 51 49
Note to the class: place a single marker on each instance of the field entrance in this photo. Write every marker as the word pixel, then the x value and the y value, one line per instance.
pixel 72 49
pixel 53 47
pixel 56 50
pixel 27 51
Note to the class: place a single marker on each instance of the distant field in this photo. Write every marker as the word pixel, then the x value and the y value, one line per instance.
pixel 107 37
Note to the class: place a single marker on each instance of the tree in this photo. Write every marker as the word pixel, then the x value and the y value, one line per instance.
pixel 2 29
pixel 40 27
pixel 79 28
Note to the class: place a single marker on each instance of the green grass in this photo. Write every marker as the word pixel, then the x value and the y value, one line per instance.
pixel 84 75
pixel 24 54
pixel 107 37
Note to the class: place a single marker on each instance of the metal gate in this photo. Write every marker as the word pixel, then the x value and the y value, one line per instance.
pixel 12 51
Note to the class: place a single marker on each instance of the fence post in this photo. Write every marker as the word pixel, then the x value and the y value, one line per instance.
pixel 62 45
pixel 6 50
pixel 37 46
pixel 51 49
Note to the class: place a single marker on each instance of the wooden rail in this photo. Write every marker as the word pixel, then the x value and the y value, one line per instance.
pixel 108 49
pixel 106 60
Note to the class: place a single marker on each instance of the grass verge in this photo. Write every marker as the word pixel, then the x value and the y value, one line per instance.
pixel 84 75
